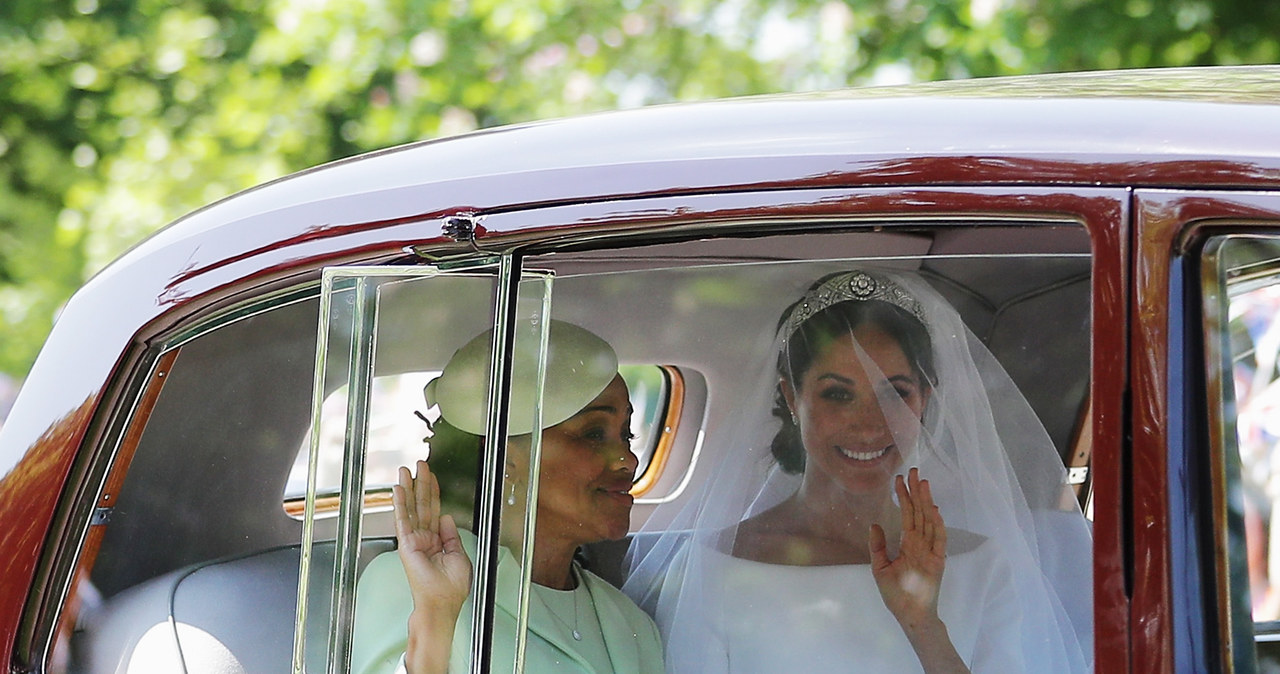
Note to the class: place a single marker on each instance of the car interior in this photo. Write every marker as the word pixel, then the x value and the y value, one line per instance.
pixel 199 558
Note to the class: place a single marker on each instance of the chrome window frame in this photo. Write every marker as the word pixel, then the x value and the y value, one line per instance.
pixel 508 274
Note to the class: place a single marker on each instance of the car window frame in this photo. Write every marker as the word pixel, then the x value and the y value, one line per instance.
pixel 508 274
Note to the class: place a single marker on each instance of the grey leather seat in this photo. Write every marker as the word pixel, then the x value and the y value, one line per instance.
pixel 227 616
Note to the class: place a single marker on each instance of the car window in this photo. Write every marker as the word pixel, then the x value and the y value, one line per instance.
pixel 189 557
pixel 200 517
pixel 1026 302
pixel 712 310
pixel 1242 307
pixel 388 321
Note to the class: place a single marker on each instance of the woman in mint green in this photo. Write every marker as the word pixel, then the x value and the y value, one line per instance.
pixel 413 611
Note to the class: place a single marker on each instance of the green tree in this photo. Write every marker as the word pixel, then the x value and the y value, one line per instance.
pixel 117 116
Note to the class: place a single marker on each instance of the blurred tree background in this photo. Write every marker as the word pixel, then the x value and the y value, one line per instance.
pixel 118 116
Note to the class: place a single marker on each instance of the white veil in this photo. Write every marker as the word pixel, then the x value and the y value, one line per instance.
pixel 992 468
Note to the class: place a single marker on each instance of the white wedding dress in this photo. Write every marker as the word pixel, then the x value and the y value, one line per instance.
pixel 768 618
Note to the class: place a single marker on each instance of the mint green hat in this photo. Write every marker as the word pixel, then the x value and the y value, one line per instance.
pixel 579 366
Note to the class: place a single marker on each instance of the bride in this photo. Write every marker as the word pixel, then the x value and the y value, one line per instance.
pixel 902 523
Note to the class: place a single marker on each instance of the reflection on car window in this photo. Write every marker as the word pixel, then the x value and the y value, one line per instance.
pixel 1255 339
pixel 1242 333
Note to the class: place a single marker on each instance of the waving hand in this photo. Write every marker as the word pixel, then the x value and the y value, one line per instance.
pixel 909 585
pixel 435 564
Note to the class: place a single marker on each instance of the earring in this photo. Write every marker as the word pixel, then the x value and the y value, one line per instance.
pixel 511 498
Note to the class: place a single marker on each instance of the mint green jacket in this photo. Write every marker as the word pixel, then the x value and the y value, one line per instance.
pixel 383 605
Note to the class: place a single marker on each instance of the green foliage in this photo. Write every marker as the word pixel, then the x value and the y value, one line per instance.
pixel 117 116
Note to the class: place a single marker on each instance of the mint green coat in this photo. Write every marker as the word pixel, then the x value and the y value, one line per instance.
pixel 383 605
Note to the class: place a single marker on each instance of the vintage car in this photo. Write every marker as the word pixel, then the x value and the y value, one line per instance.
pixel 198 467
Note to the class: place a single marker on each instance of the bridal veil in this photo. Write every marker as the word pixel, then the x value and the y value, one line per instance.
pixel 994 473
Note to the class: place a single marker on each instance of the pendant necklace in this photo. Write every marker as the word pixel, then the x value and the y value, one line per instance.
pixel 577 634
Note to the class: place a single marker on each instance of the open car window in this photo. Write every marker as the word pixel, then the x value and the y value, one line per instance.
pixel 711 309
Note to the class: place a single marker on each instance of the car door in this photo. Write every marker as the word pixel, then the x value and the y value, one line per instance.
pixel 1203 430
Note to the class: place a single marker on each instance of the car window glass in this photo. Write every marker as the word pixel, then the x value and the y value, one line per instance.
pixel 387 321
pixel 1030 309
pixel 650 391
pixel 1255 330
pixel 1242 306
pixel 195 562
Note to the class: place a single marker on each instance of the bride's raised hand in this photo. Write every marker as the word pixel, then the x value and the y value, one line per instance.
pixel 437 567
pixel 909 584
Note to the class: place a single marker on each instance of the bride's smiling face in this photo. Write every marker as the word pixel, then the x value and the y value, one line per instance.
pixel 855 425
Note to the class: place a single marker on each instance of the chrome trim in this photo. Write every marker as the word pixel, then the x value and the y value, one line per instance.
pixel 688 474
pixel 363 342
pixel 625 228
pixel 461 227
pixel 1267 632
pixel 313 458
pixel 691 264
pixel 492 463
pixel 535 462
pixel 242 310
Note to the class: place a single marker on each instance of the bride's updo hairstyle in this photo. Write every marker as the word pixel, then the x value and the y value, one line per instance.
pixel 831 309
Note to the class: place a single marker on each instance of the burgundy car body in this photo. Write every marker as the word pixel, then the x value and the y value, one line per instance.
pixel 1148 161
